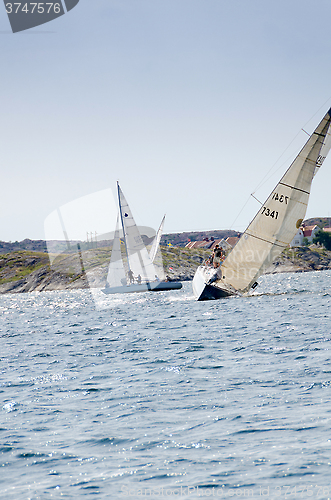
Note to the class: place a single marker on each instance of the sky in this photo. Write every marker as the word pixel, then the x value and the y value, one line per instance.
pixel 189 104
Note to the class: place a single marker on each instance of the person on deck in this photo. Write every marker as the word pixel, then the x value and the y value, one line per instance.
pixel 217 256
pixel 209 261
pixel 138 279
pixel 130 276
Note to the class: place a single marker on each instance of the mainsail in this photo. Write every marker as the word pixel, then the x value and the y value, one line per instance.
pixel 116 272
pixel 281 215
pixel 139 261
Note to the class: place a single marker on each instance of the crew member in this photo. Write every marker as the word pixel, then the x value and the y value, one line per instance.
pixel 130 276
pixel 217 256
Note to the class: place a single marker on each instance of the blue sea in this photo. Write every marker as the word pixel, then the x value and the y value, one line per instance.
pixel 155 395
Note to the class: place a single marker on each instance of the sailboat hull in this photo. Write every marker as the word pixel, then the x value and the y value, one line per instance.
pixel 204 290
pixel 160 286
pixel 211 292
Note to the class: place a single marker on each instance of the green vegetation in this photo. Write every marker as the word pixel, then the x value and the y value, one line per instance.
pixel 17 265
pixel 24 271
pixel 324 239
pixel 182 261
pixel 319 221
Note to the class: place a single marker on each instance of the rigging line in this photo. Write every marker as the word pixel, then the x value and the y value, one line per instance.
pixel 319 109
pixel 267 176
pixel 274 173
pixel 252 194
pixel 233 223
pixel 264 179
pixel 284 162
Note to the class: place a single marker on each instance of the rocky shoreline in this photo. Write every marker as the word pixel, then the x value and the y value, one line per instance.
pixel 301 259
pixel 28 271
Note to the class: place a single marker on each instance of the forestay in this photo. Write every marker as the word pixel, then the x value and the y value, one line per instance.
pixel 277 222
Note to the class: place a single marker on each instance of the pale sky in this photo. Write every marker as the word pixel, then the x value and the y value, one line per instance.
pixel 188 103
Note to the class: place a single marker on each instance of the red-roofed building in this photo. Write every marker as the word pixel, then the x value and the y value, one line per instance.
pixel 308 232
pixel 227 244
pixel 232 240
pixel 199 244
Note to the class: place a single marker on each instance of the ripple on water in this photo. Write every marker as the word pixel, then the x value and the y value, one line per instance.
pixel 164 391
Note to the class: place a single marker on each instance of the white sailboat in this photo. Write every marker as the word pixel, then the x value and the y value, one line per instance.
pixel 142 273
pixel 273 227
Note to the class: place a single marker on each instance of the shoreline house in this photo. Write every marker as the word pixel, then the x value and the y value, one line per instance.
pixel 308 232
pixel 209 243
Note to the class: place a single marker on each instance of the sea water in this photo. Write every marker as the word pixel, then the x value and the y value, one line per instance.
pixel 155 395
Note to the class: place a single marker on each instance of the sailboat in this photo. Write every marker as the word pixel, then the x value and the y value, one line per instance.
pixel 273 227
pixel 142 274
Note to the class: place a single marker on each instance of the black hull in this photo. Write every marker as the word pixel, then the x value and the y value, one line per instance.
pixel 211 292
pixel 205 288
pixel 162 286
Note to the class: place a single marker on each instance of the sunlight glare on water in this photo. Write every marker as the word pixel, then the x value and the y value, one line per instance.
pixel 156 395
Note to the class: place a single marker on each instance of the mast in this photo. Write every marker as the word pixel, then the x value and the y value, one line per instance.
pixel 278 220
pixel 124 236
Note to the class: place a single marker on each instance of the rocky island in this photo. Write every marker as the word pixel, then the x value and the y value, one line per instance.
pixel 27 266
pixel 28 270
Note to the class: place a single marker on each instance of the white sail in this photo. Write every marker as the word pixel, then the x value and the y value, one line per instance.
pixel 278 220
pixel 156 241
pixel 116 272
pixel 155 253
pixel 139 261
pixel 323 152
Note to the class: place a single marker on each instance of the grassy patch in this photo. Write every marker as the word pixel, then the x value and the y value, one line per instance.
pixel 17 265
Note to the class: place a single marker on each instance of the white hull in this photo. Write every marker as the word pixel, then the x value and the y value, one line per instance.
pixel 157 286
pixel 204 289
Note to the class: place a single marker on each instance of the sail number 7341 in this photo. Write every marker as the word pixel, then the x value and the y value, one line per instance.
pixel 268 213
pixel 272 213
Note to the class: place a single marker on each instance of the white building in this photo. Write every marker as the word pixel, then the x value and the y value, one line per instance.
pixel 308 232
